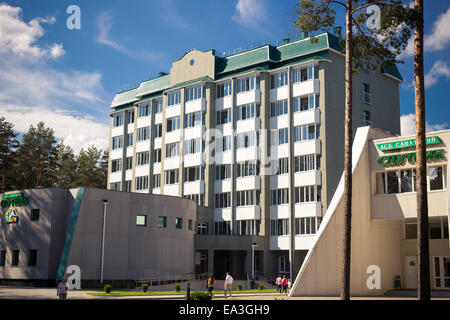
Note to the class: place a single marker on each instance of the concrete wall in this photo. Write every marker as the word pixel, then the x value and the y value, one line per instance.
pixel 182 70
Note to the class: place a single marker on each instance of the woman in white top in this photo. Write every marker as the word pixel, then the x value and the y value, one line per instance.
pixel 61 292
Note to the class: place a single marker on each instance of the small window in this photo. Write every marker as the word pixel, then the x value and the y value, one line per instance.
pixel 32 257
pixel 35 214
pixel 190 224
pixel 179 223
pixel 2 258
pixel 15 258
pixel 141 220
pixel 162 221
pixel 411 231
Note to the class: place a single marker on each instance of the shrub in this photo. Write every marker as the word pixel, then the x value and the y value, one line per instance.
pixel 107 288
pixel 239 287
pixel 200 295
pixel 177 287
pixel 144 287
pixel 260 286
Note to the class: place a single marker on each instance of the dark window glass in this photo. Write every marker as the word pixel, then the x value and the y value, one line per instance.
pixel 35 214
pixel 162 221
pixel 15 258
pixel 435 175
pixel 32 257
pixel 392 182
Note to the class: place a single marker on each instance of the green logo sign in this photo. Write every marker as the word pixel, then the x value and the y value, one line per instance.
pixel 14 200
pixel 406 144
pixel 398 159
pixel 11 216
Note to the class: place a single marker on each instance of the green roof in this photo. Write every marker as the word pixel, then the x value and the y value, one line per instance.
pixel 125 97
pixel 188 83
pixel 154 85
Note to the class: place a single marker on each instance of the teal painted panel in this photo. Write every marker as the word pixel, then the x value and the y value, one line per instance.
pixel 69 234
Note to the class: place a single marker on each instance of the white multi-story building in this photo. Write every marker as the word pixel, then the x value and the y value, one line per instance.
pixel 212 128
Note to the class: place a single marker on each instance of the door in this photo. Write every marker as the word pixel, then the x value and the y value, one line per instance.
pixel 441 276
pixel 411 272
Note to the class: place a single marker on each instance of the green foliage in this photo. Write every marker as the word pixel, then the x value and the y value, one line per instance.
pixel 144 287
pixel 239 287
pixel 107 288
pixel 200 295
pixel 8 144
pixel 260 286
pixel 177 287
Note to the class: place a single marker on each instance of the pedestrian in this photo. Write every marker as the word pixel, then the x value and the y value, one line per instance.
pixel 211 282
pixel 228 284
pixel 284 284
pixel 278 283
pixel 289 285
pixel 61 292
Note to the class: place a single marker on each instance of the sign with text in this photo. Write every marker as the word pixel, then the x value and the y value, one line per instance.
pixel 406 144
pixel 14 200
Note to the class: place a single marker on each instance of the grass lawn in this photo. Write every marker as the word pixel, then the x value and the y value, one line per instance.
pixel 140 293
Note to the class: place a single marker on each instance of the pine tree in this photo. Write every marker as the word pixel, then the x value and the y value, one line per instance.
pixel 8 145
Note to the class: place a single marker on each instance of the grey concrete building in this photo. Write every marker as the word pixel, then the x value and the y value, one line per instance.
pixel 209 129
pixel 46 230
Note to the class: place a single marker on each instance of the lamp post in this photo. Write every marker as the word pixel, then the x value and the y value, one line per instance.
pixel 105 203
pixel 253 264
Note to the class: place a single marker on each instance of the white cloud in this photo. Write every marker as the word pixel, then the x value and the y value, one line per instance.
pixel 57 50
pixel 408 125
pixel 439 69
pixel 249 13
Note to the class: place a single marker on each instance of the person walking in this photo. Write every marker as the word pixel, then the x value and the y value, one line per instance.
pixel 289 285
pixel 284 284
pixel 61 291
pixel 211 282
pixel 228 284
pixel 278 283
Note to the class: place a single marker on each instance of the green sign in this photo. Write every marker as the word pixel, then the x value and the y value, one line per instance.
pixel 398 159
pixel 406 144
pixel 14 200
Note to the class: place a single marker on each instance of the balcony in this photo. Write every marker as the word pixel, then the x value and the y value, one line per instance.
pixel 116 153
pixel 158 117
pixel 224 103
pixel 157 168
pixel 279 181
pixel 280 211
pixel 245 154
pixel 307 147
pixel 248 213
pixel 279 122
pixel 172 163
pixel 306 87
pixel 279 242
pixel 248 125
pixel 194 187
pixel 143 146
pixel 307 178
pixel 141 171
pixel 193 159
pixel 222 186
pixel 195 105
pixel 193 132
pixel 306 117
pixel 304 242
pixel 308 209
pixel 248 183
pixel 223 157
pixel 171 189
pixel 281 93
pixel 222 214
pixel 173 111
pixel 144 121
pixel 115 177
pixel 173 136
pixel 253 96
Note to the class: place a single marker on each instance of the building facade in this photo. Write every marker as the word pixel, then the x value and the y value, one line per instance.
pixel 46 230
pixel 384 220
pixel 255 138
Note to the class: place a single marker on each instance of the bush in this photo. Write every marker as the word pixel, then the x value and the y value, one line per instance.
pixel 200 295
pixel 260 286
pixel 144 287
pixel 107 288
pixel 177 287
pixel 239 287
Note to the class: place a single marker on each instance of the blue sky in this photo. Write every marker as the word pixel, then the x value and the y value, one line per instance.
pixel 67 78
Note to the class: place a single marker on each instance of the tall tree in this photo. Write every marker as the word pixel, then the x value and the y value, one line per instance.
pixel 422 202
pixel 35 157
pixel 8 144
pixel 369 49
pixel 65 166
pixel 89 172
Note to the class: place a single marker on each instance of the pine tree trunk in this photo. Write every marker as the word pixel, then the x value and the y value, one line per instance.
pixel 422 202
pixel 345 289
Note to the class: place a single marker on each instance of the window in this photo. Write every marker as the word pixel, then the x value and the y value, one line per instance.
pixel 307 162
pixel 32 257
pixel 226 143
pixel 174 98
pixel 157 180
pixel 158 106
pixel 198 198
pixel 117 142
pixel 129 163
pixel 223 89
pixel 193 173
pixel 437 227
pixel 247 198
pixel 143 133
pixel 141 183
pixel 306 225
pixel 222 227
pixel 366 95
pixel 278 79
pixel 436 178
pixel 128 185
pixel 172 149
pixel 158 130
pixel 223 116
pixel 247 168
pixel 283 166
pixel 306 132
pixel 247 84
pixel 115 186
pixel 307 194
pixel 247 139
pixel 190 224
pixel 141 220
pixel 193 146
pixel 118 120
pixel 194 119
pixel 162 221
pixel 142 158
pixel 366 118
pixel 283 264
pixel 129 139
pixel 196 92
pixel 202 228
pixel 248 111
pixel 283 136
pixel 179 223
pixel 15 258
pixel 2 258
pixel 35 214
pixel 306 73
pixel 171 176
pixel 222 200
pixel 116 165
pixel 143 110
pixel 247 227
pixel 157 155
pixel 307 102
pixel 279 196
pixel 279 227
pixel 223 171
pixel 130 116
pixel 279 108
pixel 173 124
